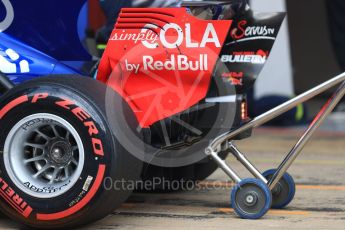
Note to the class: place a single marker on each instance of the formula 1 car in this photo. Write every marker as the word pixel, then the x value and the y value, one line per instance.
pixel 186 80
pixel 170 93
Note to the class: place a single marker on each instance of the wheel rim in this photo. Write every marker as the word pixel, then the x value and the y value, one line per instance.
pixel 281 194
pixel 250 199
pixel 284 192
pixel 44 155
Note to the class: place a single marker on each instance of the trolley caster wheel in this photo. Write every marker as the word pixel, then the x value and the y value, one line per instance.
pixel 284 192
pixel 251 199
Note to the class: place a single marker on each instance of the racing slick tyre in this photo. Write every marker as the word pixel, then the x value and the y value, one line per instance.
pixel 57 151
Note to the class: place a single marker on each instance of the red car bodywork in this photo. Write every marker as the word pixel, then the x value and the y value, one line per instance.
pixel 161 60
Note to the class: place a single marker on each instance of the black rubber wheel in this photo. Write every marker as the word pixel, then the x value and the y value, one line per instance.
pixel 251 199
pixel 284 192
pixel 59 158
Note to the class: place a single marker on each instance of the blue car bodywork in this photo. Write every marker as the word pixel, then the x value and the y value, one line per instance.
pixel 39 38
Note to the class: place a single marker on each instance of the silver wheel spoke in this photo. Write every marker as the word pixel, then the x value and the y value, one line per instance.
pixel 42 170
pixel 45 136
pixel 37 146
pixel 37 158
pixel 55 173
pixel 74 161
pixel 68 134
pixel 56 133
pixel 67 173
pixel 74 148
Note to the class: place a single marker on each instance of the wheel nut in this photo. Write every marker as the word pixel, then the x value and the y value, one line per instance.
pixel 57 152
pixel 249 199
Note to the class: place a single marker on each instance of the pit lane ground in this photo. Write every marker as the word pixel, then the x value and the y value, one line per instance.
pixel 319 202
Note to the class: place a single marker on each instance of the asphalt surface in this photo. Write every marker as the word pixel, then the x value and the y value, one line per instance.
pixel 319 201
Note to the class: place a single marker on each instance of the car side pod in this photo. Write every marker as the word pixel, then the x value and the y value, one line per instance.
pixel 275 181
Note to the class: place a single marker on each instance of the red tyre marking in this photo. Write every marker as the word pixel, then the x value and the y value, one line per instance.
pixel 65 104
pixel 80 114
pixel 81 204
pixel 26 213
pixel 97 147
pixel 13 199
pixel 13 104
pixel 39 96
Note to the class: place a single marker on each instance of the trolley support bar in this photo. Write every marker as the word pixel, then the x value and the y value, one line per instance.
pixel 241 158
pixel 221 163
pixel 295 151
pixel 273 113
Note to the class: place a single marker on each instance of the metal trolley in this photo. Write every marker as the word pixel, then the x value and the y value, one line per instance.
pixel 252 198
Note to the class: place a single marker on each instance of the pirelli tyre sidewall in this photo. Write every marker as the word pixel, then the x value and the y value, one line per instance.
pixel 87 200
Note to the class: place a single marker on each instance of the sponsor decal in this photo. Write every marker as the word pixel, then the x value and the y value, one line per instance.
pixel 7 21
pixel 50 189
pixel 87 183
pixel 14 200
pixel 79 202
pixel 84 191
pixel 76 200
pixel 176 62
pixel 28 124
pixel 258 57
pixel 235 78
pixel 169 32
pixel 12 62
pixel 245 33
pixel 145 35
